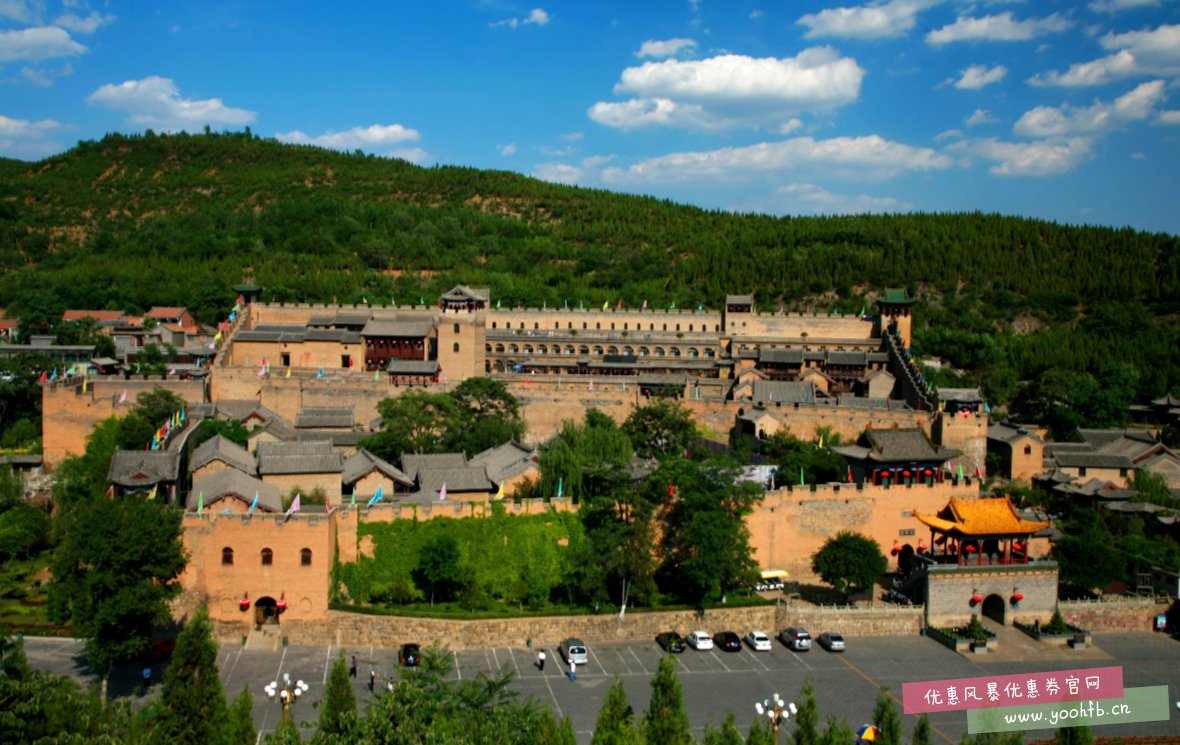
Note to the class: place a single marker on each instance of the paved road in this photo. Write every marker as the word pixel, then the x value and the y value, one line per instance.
pixel 714 683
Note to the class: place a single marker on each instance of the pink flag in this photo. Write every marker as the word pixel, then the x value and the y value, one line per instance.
pixel 442 493
pixel 294 506
pixel 978 474
pixel 123 398
pixel 850 474
pixel 327 504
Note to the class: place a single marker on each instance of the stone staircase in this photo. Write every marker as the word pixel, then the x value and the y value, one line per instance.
pixel 267 637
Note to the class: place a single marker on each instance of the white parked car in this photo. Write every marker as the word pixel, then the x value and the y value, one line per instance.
pixel 758 641
pixel 699 640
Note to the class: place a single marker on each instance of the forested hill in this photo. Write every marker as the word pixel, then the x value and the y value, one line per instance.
pixel 131 222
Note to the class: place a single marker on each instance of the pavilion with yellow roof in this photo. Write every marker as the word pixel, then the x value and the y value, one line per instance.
pixel 987 530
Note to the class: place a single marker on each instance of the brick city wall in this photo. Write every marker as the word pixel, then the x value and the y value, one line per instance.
pixel 68 415
pixel 950 591
pixel 357 629
pixel 967 434
pixel 792 523
pixel 1115 615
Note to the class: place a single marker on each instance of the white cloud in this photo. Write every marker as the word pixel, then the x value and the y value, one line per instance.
pixel 572 137
pixel 1114 6
pixel 23 11
pixel 665 48
pixel 536 17
pixel 38 43
pixel 381 139
pixel 21 138
pixel 44 77
pixel 868 157
pixel 756 14
pixel 1147 52
pixel 948 134
pixel 802 197
pixel 977 76
pixel 1002 27
pixel 1040 158
pixel 507 150
pixel 559 173
pixel 790 126
pixel 156 102
pixel 732 90
pixel 877 21
pixel 1066 120
pixel 80 25
pixel 980 116
pixel 1168 117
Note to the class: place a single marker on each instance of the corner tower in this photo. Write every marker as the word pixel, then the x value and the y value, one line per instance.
pixel 461 333
pixel 894 307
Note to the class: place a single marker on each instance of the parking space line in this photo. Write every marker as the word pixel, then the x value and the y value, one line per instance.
pixel 891 695
pixel 327 662
pixel 458 671
pixel 623 662
pixel 514 663
pixel 799 659
pixel 641 665
pixel 714 653
pixel 754 656
pixel 495 661
pixel 590 655
pixel 680 661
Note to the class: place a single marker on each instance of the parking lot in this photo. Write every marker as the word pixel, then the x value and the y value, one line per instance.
pixel 714 682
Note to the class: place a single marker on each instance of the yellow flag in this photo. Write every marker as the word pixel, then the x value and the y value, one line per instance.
pixel 605 305
pixel 500 493
pixel 84 382
pixel 821 441
pixel 288 373
pixel 152 494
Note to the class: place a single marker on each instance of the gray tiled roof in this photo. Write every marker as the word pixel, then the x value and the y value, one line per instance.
pixel 739 300
pixel 322 417
pixel 234 485
pixel 461 292
pixel 1004 433
pixel 338 438
pixel 781 356
pixel 783 392
pixel 413 463
pixel 506 461
pixel 896 445
pixel 134 469
pixel 456 479
pixel 363 462
pixel 414 328
pixel 225 450
pixel 853 359
pixel 412 367
pixel 961 395
pixel 298 457
pixel 1091 460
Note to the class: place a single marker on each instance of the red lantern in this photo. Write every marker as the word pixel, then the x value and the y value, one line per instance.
pixel 1017 597
pixel 969 548
pixel 895 550
pixel 929 472
pixel 976 599
pixel 940 540
pixel 906 474
pixel 1017 546
pixel 281 605
pixel 244 604
pixel 922 546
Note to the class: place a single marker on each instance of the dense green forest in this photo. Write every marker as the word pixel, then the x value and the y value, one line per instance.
pixel 135 221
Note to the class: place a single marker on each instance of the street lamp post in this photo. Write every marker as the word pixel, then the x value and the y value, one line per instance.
pixel 777 711
pixel 288 694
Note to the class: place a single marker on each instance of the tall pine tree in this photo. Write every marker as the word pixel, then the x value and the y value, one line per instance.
pixel 339 704
pixel 192 704
pixel 666 721
pixel 616 719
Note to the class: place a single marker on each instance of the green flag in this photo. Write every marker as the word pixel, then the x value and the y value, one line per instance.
pixel 801 482
pixel 200 502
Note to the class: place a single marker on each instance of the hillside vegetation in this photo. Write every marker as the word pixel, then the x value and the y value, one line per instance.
pixel 130 222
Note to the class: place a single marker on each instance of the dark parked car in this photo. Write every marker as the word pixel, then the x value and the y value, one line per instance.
pixel 831 641
pixel 670 641
pixel 728 640
pixel 410 655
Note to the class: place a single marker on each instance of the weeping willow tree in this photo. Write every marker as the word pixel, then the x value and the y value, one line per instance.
pixel 580 462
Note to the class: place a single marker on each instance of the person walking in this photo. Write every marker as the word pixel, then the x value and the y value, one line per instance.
pixel 352 668
pixel 573 670
pixel 541 660
pixel 372 680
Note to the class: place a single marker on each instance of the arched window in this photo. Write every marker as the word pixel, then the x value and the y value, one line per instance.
pixel 500 349
pixel 528 348
pixel 268 557
pixel 456 328
pixel 456 346
pixel 612 350
pixel 643 351
pixel 583 349
pixel 227 556
pixel 493 324
pixel 305 557
pixel 674 351
pixel 659 352
pixel 1028 449
pixel 598 350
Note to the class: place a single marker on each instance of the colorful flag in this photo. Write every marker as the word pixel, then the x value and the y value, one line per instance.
pixel 947 466
pixel 44 377
pixel 262 370
pixel 377 497
pixel 620 305
pixel 850 474
pixel 560 484
pixel 442 493
pixel 183 414
pixel 978 473
pixel 288 373
pixel 497 303
pixel 605 304
pixel 152 494
pixel 801 481
pixel 327 503
pixel 294 505
pixel 54 375
pixel 85 381
pixel 645 304
pixel 233 315
pixel 590 386
pixel 376 376
pixel 241 299
pixel 671 490
pixel 499 492
pixel 254 504
pixel 821 441
pixel 320 374
pixel 200 503
pixel 862 310
pixel 352 502
pixel 960 473
pixel 111 491
pixel 672 306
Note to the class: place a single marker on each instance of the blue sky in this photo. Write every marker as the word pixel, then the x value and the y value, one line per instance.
pixel 1067 111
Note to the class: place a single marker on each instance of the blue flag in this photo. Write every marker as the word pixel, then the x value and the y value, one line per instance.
pixel 377 497
pixel 253 504
pixel 559 485
pixel 320 374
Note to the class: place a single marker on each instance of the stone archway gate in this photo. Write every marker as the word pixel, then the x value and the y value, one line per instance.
pixel 955 593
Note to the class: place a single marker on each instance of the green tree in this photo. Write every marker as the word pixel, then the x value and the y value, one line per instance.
pixel 488 416
pixel 660 429
pixel 158 405
pixel 616 719
pixel 231 430
pixel 115 570
pixel 849 561
pixel 706 544
pixel 807 718
pixel 285 734
pixel 619 536
pixel 836 733
pixel 1073 736
pixel 585 459
pixel 339 704
pixel 439 568
pixel 192 706
pixel 729 734
pixel 1086 553
pixel 24 532
pixel 241 719
pixel 151 361
pixel 886 719
pixel 666 722
pixel 922 732
pixel 82 478
pixel 414 422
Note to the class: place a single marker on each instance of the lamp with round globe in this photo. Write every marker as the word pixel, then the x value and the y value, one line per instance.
pixel 777 711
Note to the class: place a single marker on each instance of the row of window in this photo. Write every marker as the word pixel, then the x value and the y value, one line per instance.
pixel 267 556
pixel 585 349
pixel 704 327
